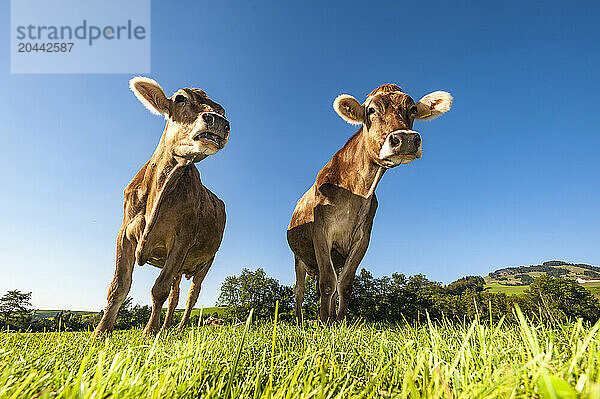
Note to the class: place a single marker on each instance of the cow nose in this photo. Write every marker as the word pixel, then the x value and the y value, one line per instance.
pixel 215 123
pixel 417 141
pixel 208 118
pixel 406 142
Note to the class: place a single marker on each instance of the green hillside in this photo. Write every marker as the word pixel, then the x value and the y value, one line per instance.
pixel 513 280
pixel 49 313
pixel 507 289
pixel 524 275
pixel 207 311
pixel 518 289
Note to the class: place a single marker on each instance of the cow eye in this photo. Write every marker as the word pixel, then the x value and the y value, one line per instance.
pixel 370 110
pixel 180 98
pixel 413 110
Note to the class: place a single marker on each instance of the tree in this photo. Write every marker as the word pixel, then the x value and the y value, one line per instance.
pixel 123 320
pixel 560 298
pixel 140 315
pixel 133 316
pixel 254 290
pixel 312 300
pixel 15 311
pixel 369 299
pixel 475 283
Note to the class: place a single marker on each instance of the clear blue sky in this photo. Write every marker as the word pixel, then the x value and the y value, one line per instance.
pixel 509 176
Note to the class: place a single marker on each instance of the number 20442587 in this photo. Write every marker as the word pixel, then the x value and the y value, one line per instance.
pixel 25 47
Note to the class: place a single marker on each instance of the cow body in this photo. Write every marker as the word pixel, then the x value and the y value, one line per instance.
pixel 188 210
pixel 331 225
pixel 171 220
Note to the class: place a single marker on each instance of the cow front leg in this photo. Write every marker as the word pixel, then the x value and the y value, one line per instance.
pixel 327 277
pixel 299 288
pixel 344 286
pixel 121 283
pixel 333 305
pixel 173 301
pixel 162 285
pixel 194 292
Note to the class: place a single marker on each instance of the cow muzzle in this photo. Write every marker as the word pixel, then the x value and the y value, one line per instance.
pixel 401 147
pixel 211 129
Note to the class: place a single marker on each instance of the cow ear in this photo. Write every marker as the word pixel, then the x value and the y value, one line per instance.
pixel 151 95
pixel 349 109
pixel 433 105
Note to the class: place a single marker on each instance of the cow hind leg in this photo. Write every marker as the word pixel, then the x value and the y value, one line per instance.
pixel 121 283
pixel 299 288
pixel 194 293
pixel 173 301
pixel 162 286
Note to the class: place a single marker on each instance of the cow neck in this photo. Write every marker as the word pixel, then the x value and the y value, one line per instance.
pixel 165 171
pixel 356 170
pixel 380 169
pixel 375 173
pixel 162 174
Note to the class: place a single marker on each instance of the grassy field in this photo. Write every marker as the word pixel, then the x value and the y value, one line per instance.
pixel 46 313
pixel 594 287
pixel 507 289
pixel 206 311
pixel 517 289
pixel 511 275
pixel 270 360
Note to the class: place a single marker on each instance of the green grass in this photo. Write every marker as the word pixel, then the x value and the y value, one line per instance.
pixel 207 311
pixel 593 287
pixel 435 360
pixel 507 289
pixel 45 313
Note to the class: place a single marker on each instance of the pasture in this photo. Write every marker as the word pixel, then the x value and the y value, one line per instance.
pixel 506 289
pixel 481 359
pixel 594 288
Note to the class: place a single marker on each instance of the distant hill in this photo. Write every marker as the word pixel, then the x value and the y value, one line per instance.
pixel 47 313
pixel 524 275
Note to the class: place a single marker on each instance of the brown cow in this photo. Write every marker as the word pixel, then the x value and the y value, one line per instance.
pixel 171 220
pixel 331 225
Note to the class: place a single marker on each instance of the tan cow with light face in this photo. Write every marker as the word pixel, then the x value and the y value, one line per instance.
pixel 331 225
pixel 170 219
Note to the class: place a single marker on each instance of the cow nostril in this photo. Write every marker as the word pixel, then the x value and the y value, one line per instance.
pixel 417 141
pixel 394 141
pixel 227 127
pixel 208 118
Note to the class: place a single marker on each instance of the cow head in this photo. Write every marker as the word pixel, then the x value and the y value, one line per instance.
pixel 387 117
pixel 196 125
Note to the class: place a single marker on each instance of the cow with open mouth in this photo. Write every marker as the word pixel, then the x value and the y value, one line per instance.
pixel 171 220
pixel 331 226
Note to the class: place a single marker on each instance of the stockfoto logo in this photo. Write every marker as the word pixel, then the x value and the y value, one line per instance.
pixel 86 36
pixel 84 31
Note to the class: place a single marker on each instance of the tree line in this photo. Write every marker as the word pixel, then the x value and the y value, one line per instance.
pixel 398 298
pixel 394 299
pixel 16 315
